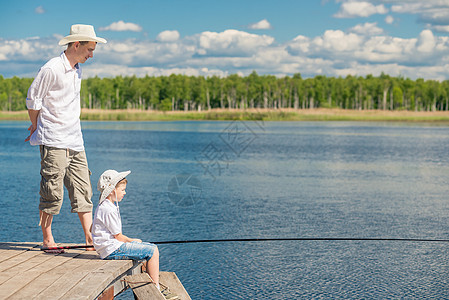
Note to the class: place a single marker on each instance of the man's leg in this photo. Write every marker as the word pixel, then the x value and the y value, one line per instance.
pixel 53 163
pixel 86 223
pixel 45 222
pixel 77 182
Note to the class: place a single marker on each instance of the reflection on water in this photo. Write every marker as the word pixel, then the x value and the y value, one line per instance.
pixel 264 180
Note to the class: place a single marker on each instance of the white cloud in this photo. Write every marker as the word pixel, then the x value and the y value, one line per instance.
pixel 441 28
pixel 367 29
pixel 435 12
pixel 349 51
pixel 353 9
pixel 25 50
pixel 426 41
pixel 122 26
pixel 361 50
pixel 300 44
pixel 168 36
pixel 39 10
pixel 386 50
pixel 110 70
pixel 389 20
pixel 337 40
pixel 417 6
pixel 261 25
pixel 136 53
pixel 231 42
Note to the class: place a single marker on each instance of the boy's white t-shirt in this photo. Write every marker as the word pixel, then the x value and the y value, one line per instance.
pixel 106 224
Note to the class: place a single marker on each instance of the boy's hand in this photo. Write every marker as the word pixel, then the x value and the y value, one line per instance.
pixel 137 240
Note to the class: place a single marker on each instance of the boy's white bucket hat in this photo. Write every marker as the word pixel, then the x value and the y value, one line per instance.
pixel 108 180
pixel 81 33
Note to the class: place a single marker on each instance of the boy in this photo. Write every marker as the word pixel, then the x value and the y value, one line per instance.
pixel 108 239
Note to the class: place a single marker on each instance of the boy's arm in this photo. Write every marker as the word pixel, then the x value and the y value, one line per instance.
pixel 123 238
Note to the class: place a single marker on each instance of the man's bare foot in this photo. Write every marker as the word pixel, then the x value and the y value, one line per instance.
pixel 48 248
pixel 89 242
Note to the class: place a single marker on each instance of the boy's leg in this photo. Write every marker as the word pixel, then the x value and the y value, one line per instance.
pixel 139 251
pixel 152 267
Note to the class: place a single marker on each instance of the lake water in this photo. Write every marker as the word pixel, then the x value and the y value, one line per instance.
pixel 229 180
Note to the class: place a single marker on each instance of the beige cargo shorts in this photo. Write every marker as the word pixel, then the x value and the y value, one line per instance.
pixel 64 167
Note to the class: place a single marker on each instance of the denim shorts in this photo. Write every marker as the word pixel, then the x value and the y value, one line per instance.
pixel 134 251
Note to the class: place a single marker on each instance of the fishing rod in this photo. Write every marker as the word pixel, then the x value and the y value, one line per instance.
pixel 269 240
pixel 66 247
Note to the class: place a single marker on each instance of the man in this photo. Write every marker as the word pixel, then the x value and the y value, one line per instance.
pixel 53 103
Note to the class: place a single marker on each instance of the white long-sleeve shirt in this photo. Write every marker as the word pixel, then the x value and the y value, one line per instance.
pixel 56 93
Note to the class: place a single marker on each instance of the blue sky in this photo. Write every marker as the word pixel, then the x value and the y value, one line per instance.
pixel 282 37
pixel 188 17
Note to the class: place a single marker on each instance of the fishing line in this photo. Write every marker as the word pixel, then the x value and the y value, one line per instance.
pixel 303 239
pixel 273 240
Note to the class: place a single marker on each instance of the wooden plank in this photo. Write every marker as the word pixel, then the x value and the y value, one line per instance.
pixel 42 276
pixel 8 250
pixel 4 277
pixel 27 272
pixel 95 282
pixel 23 274
pixel 74 261
pixel 10 279
pixel 14 267
pixel 66 281
pixel 117 267
pixel 59 288
pixel 172 281
pixel 108 294
pixel 89 287
pixel 59 266
pixel 119 283
pixel 143 288
pixel 33 262
pixel 13 258
pixel 17 245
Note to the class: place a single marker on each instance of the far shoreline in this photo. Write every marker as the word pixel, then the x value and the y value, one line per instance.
pixel 317 114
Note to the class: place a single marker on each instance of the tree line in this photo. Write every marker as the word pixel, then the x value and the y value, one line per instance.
pixel 182 92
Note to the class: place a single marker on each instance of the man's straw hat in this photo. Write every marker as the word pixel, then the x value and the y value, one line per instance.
pixel 81 33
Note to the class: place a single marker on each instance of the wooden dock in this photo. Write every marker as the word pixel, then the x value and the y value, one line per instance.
pixel 26 272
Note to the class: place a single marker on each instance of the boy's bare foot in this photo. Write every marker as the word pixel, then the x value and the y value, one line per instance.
pixel 168 295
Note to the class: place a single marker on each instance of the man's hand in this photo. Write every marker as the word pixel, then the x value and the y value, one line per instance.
pixel 33 118
pixel 32 129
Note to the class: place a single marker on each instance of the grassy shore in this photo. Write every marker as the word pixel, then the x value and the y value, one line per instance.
pixel 253 114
